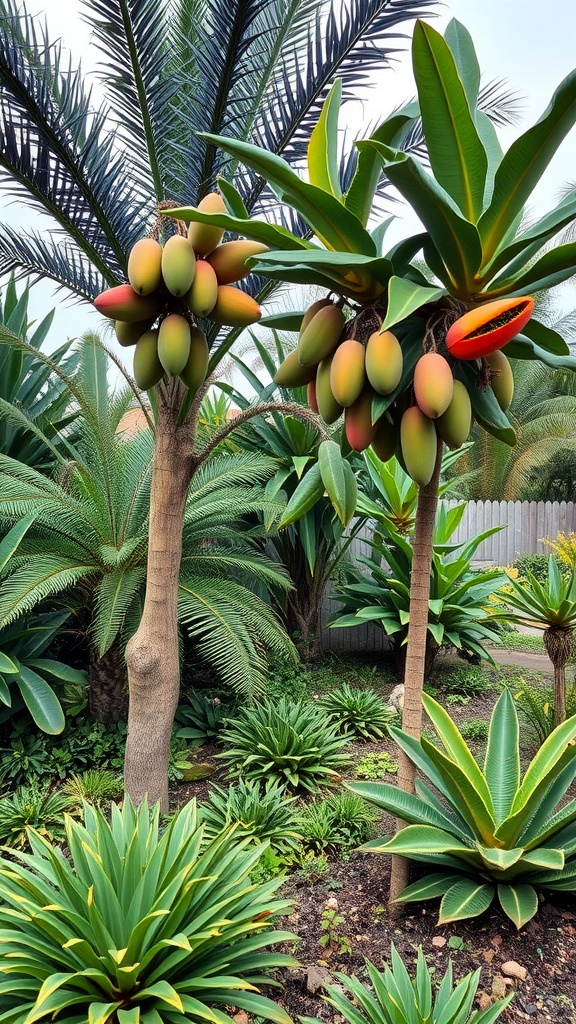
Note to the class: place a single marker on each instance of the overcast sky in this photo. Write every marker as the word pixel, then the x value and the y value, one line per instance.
pixel 526 42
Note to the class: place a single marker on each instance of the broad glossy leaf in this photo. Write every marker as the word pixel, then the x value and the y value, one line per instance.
pixel 402 805
pixel 232 199
pixel 330 464
pixel 523 347
pixel 323 145
pixel 514 258
pixel 463 795
pixel 456 747
pixel 350 492
pixel 378 268
pixel 360 196
pixel 466 898
pixel 258 230
pixel 546 759
pixel 502 761
pixel 11 542
pixel 429 887
pixel 519 902
pixel 308 492
pixel 458 38
pixel 552 268
pixel 485 407
pixel 41 701
pixel 405 298
pixel 57 669
pixel 282 321
pixel 456 153
pixel 7 665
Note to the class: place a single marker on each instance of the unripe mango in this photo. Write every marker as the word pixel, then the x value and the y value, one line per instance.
pixel 311 312
pixel 311 396
pixel 229 259
pixel 291 373
pixel 174 343
pixel 329 409
pixel 148 369
pixel 503 383
pixel 433 384
pixel 385 439
pixel 418 442
pixel 194 373
pixel 123 303
pixel 128 334
pixel 358 421
pixel 347 376
pixel 321 335
pixel 454 425
pixel 205 237
pixel 384 362
pixel 234 308
pixel 178 265
pixel 145 266
pixel 202 296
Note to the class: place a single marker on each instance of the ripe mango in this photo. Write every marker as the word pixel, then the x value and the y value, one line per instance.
pixel 358 421
pixel 128 334
pixel 329 409
pixel 194 373
pixel 418 442
pixel 204 237
pixel 311 396
pixel 148 369
pixel 455 424
pixel 291 373
pixel 384 362
pixel 229 259
pixel 234 308
pixel 145 266
pixel 385 439
pixel 123 303
pixel 503 383
pixel 311 312
pixel 347 375
pixel 433 384
pixel 178 265
pixel 174 343
pixel 202 296
pixel 321 335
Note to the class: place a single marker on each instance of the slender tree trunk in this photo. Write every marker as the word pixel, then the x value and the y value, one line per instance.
pixel 416 646
pixel 152 653
pixel 558 644
pixel 108 690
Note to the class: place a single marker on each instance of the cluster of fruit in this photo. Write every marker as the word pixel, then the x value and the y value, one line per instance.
pixel 344 375
pixel 170 286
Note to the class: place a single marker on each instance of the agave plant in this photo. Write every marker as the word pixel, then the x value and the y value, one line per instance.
pixel 32 807
pixel 137 926
pixel 362 713
pixel 490 831
pixel 263 812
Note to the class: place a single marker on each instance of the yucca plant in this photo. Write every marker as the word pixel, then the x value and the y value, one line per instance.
pixel 293 745
pixel 137 926
pixel 395 999
pixel 199 719
pixel 96 785
pixel 32 807
pixel 490 830
pixel 265 813
pixel 362 713
pixel 341 822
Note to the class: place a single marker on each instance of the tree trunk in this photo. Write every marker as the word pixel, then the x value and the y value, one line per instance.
pixel 152 653
pixel 416 646
pixel 108 690
pixel 558 644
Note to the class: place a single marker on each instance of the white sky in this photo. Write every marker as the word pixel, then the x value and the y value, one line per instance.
pixel 526 42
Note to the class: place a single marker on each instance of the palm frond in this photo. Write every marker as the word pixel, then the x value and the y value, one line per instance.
pixel 25 588
pixel 34 257
pixel 113 596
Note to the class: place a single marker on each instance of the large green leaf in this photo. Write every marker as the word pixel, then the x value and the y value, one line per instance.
pixel 523 347
pixel 456 153
pixel 544 762
pixel 516 256
pixel 462 49
pixel 352 273
pixel 466 898
pixel 308 492
pixel 552 268
pixel 456 747
pixel 40 700
pixel 524 164
pixel 11 542
pixel 464 796
pixel 360 196
pixel 429 887
pixel 258 230
pixel 331 466
pixel 485 406
pixel 502 761
pixel 323 145
pixel 405 298
pixel 519 902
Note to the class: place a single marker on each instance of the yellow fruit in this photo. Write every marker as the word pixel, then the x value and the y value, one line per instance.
pixel 329 409
pixel 455 424
pixel 358 421
pixel 347 375
pixel 204 237
pixel 229 260
pixel 321 335
pixel 202 296
pixel 385 439
pixel 148 369
pixel 178 265
pixel 194 373
pixel 145 266
pixel 234 308
pixel 503 383
pixel 418 442
pixel 123 303
pixel 384 362
pixel 433 384
pixel 291 373
pixel 311 312
pixel 128 334
pixel 174 343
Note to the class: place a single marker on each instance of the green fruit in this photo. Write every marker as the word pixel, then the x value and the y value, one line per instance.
pixel 194 373
pixel 347 376
pixel 128 334
pixel 229 259
pixel 291 373
pixel 202 296
pixel 418 442
pixel 321 335
pixel 178 265
pixel 503 383
pixel 358 421
pixel 205 237
pixel 174 343
pixel 148 369
pixel 455 424
pixel 385 439
pixel 311 312
pixel 329 409
pixel 384 362
pixel 433 384
pixel 145 266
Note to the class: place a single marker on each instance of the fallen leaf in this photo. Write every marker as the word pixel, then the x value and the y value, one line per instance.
pixel 496 940
pixel 489 955
pixel 484 1000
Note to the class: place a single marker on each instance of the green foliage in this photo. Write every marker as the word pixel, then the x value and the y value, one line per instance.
pixel 313 867
pixel 361 713
pixel 453 677
pixel 534 564
pixel 393 998
pixel 475 729
pixel 340 823
pixel 332 939
pixel 83 744
pixel 34 807
pixel 536 704
pixel 549 604
pixel 514 641
pixel 96 786
pixel 565 547
pixel 266 814
pixel 147 909
pixel 294 746
pixel 376 766
pixel 199 719
pixel 287 679
pixel 490 830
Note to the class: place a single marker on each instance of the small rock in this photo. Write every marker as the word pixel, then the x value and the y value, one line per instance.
pixel 331 903
pixel 513 970
pixel 439 941
pixel 496 940
pixel 317 978
pixel 241 1017
pixel 396 697
pixel 489 955
pixel 197 771
pixel 484 1000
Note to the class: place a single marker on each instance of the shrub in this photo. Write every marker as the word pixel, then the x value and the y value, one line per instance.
pixel 341 822
pixel 565 548
pixel 535 564
pixel 360 712
pixel 536 704
pixel 475 729
pixel 286 679
pixel 264 814
pixel 32 807
pixel 454 677
pixel 141 926
pixel 492 831
pixel 97 785
pixel 294 746
pixel 200 719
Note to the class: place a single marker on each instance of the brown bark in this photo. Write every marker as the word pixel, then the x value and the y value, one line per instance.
pixel 108 686
pixel 152 653
pixel 558 644
pixel 416 646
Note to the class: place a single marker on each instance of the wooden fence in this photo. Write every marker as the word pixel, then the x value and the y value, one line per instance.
pixel 527 524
